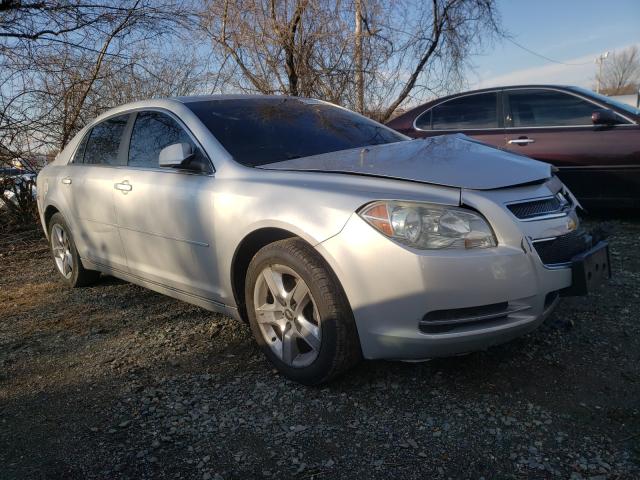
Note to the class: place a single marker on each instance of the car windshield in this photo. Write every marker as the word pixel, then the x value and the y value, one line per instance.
pixel 608 100
pixel 258 131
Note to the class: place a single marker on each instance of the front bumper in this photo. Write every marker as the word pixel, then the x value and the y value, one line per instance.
pixel 394 290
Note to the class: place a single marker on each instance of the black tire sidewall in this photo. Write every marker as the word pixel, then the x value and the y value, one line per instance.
pixel 317 371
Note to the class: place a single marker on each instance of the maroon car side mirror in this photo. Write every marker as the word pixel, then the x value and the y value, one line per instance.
pixel 604 116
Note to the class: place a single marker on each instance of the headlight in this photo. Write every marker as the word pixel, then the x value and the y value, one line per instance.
pixel 427 226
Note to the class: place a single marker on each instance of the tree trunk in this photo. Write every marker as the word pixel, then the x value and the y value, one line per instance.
pixel 358 58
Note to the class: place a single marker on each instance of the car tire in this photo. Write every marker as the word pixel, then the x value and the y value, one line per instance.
pixel 322 333
pixel 65 255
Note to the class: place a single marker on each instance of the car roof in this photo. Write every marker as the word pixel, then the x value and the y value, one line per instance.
pixel 238 96
pixel 502 87
pixel 168 102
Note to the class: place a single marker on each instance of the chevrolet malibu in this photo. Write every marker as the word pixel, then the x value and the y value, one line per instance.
pixel 333 236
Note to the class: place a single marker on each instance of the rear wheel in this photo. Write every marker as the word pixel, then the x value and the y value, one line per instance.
pixel 65 255
pixel 299 314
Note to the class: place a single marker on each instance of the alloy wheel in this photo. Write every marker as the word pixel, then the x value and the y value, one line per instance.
pixel 287 315
pixel 62 250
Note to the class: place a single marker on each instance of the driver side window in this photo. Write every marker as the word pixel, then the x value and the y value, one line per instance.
pixel 153 131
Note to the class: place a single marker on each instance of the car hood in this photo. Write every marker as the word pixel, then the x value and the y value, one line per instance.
pixel 449 160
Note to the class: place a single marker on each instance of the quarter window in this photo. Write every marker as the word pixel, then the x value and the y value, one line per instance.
pixel 104 142
pixel 152 132
pixel 464 113
pixel 547 108
pixel 79 155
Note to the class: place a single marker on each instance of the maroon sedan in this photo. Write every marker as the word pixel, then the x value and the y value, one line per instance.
pixel 592 139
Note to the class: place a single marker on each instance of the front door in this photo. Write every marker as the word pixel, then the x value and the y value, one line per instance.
pixel 595 162
pixel 165 215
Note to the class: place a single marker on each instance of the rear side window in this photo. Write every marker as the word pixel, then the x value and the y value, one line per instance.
pixel 104 142
pixel 153 131
pixel 547 108
pixel 464 113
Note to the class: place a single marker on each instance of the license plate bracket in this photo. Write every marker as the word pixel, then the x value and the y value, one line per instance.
pixel 589 270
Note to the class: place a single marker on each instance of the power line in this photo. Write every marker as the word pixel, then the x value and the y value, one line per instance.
pixel 544 57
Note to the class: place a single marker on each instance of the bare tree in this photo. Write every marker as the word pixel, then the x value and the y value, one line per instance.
pixel 62 62
pixel 621 72
pixel 370 55
pixel 58 58
pixel 358 57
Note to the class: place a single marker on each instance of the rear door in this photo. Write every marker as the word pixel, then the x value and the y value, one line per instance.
pixel 165 215
pixel 88 188
pixel 478 115
pixel 555 126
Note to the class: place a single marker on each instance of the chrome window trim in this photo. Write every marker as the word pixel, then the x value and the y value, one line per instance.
pixel 498 90
pixel 631 123
pixel 148 169
pixel 568 126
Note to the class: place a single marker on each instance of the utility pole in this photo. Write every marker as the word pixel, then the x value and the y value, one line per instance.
pixel 358 58
pixel 600 60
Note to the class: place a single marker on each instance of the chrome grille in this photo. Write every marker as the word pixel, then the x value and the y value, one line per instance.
pixel 562 249
pixel 537 208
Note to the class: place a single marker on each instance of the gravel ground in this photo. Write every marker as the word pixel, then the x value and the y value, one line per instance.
pixel 115 381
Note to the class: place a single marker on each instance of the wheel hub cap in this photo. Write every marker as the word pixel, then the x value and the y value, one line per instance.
pixel 287 315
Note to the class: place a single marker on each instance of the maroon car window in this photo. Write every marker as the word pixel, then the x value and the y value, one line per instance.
pixel 548 108
pixel 464 113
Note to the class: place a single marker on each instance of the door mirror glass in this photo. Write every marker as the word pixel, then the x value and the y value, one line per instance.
pixel 175 155
pixel 604 116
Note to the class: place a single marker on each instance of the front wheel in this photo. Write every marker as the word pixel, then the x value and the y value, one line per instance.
pixel 299 314
pixel 65 255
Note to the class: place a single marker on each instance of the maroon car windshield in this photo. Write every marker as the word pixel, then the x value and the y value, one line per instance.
pixel 258 131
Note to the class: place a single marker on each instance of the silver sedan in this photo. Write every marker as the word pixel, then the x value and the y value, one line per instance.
pixel 333 236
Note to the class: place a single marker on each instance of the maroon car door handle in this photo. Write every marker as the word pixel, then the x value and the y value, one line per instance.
pixel 521 141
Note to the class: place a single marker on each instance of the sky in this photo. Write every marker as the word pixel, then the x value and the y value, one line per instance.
pixel 568 31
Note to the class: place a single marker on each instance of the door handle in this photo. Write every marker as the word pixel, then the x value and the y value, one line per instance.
pixel 521 141
pixel 124 187
pixel 66 180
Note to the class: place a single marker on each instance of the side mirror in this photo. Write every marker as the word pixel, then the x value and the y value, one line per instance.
pixel 604 116
pixel 175 155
